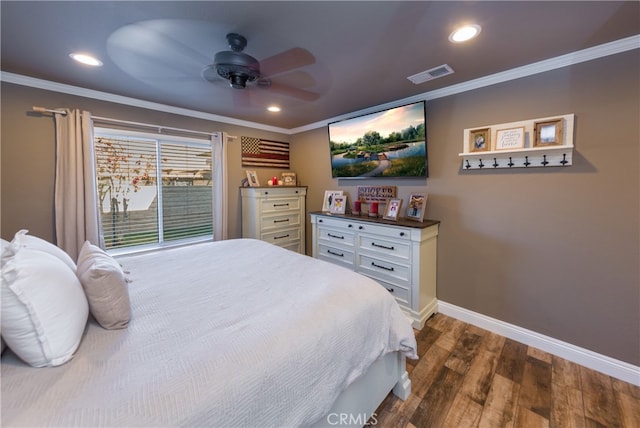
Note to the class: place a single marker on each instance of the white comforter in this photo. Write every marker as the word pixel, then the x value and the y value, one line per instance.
pixel 238 333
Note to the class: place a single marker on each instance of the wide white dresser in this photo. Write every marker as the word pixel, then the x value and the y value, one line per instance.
pixel 401 256
pixel 276 215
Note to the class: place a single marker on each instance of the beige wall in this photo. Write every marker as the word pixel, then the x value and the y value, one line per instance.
pixel 28 153
pixel 552 250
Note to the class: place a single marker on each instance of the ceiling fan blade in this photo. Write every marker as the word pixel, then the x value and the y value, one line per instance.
pixel 292 92
pixel 296 79
pixel 285 61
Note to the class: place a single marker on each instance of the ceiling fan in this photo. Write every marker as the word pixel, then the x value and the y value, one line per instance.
pixel 239 68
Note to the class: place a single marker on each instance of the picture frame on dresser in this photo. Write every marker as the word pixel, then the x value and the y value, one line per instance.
pixel 328 199
pixel 338 204
pixel 416 207
pixel 392 210
pixel 252 177
pixel 289 178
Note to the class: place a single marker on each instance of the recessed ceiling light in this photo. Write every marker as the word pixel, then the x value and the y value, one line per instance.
pixel 273 109
pixel 465 33
pixel 86 59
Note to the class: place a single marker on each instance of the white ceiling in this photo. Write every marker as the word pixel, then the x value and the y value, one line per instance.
pixel 361 52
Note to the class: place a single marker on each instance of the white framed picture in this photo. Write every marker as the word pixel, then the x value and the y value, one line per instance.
pixel 328 199
pixel 338 204
pixel 417 204
pixel 252 177
pixel 393 209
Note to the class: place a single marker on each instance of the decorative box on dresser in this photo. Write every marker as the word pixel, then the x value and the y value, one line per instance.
pixel 400 255
pixel 276 215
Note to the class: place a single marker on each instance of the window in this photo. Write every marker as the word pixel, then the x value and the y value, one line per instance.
pixel 153 190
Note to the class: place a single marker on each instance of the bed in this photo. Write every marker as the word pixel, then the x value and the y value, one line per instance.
pixel 237 333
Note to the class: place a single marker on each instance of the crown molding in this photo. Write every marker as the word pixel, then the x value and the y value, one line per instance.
pixel 589 54
pixel 19 79
pixel 577 57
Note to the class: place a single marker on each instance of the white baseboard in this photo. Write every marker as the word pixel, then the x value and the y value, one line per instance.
pixel 607 365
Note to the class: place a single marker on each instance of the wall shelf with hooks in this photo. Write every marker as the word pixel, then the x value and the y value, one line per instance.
pixel 543 142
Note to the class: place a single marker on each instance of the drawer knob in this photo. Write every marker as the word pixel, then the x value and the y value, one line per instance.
pixel 360 227
pixel 319 220
pixel 390 290
pixel 401 233
pixel 350 225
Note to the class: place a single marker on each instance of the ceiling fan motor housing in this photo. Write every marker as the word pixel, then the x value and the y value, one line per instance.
pixel 236 66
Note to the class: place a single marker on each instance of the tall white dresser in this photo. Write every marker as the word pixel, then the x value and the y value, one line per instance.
pixel 401 256
pixel 276 215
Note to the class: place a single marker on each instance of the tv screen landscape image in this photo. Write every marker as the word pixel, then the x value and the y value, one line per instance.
pixel 388 143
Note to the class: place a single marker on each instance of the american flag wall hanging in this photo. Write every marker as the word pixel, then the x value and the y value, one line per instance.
pixel 257 152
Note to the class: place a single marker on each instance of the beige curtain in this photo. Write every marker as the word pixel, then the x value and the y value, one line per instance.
pixel 76 206
pixel 219 142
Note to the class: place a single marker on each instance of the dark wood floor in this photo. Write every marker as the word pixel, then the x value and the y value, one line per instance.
pixel 470 377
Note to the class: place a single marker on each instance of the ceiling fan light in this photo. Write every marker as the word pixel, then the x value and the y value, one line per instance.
pixel 464 33
pixel 238 80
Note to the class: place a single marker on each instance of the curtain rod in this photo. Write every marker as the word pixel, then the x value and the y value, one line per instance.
pixel 160 128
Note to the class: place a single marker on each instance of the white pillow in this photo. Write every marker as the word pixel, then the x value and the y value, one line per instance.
pixel 4 245
pixel 105 286
pixel 44 310
pixel 22 240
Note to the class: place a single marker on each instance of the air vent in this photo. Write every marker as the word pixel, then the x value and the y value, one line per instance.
pixel 431 74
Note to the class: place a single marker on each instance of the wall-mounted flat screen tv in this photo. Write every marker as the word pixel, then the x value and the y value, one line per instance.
pixel 388 143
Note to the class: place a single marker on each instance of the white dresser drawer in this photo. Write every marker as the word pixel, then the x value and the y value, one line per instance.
pixel 292 245
pixel 384 269
pixel 395 232
pixel 384 247
pixel 337 236
pixel 278 237
pixel 336 255
pixel 401 294
pixel 337 223
pixel 284 220
pixel 270 205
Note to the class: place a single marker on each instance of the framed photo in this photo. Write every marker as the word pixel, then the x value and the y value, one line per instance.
pixel 509 139
pixel 252 177
pixel 338 204
pixel 416 207
pixel 289 178
pixel 328 199
pixel 548 133
pixel 392 212
pixel 480 140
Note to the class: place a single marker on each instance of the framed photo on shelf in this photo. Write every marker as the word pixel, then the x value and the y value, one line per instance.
pixel 328 199
pixel 252 177
pixel 548 133
pixel 289 179
pixel 480 140
pixel 509 139
pixel 338 204
pixel 416 207
pixel 392 211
